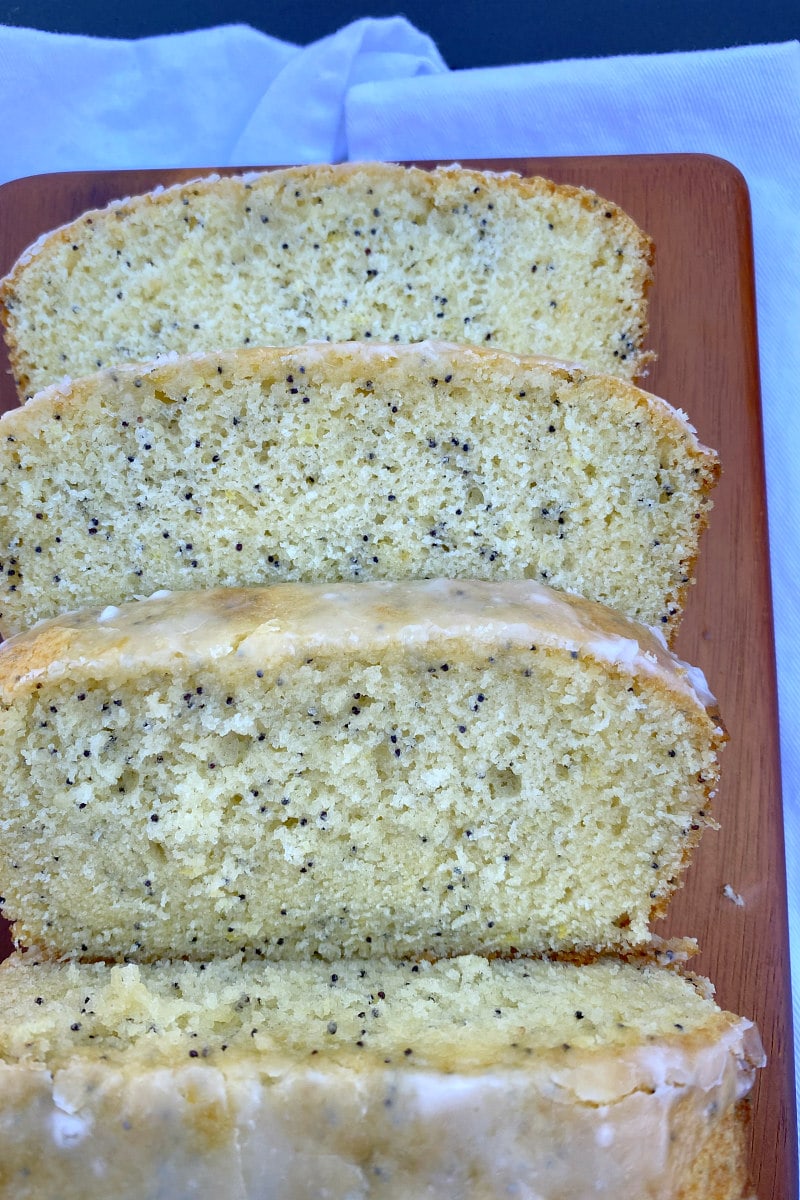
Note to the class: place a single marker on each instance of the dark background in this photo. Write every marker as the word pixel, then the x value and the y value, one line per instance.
pixel 469 33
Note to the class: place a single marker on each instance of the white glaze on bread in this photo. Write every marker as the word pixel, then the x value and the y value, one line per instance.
pixel 448 1079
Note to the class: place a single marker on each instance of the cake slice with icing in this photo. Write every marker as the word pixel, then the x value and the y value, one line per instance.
pixel 369 1079
pixel 377 768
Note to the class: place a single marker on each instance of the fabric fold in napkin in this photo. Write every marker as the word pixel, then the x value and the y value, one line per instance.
pixel 380 89
pixel 215 97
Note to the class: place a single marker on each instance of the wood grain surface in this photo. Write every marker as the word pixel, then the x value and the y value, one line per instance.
pixel 703 330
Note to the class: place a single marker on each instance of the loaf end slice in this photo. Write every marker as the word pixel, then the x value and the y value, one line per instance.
pixel 369 1078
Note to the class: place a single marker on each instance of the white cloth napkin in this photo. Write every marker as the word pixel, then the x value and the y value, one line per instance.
pixel 379 89
pixel 214 97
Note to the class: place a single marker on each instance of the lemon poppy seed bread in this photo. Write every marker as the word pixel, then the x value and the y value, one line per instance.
pixel 348 462
pixel 373 768
pixel 369 1079
pixel 337 253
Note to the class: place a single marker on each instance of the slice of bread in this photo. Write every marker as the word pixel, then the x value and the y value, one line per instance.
pixel 348 462
pixel 372 768
pixel 355 251
pixel 369 1079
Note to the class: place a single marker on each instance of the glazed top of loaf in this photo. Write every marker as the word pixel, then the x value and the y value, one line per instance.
pixel 271 625
pixel 336 1067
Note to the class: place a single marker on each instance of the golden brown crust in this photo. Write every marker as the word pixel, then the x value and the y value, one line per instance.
pixel 719 1172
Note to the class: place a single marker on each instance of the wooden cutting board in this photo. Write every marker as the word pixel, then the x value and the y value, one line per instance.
pixel 703 330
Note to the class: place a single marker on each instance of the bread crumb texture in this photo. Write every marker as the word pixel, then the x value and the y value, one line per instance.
pixel 336 253
pixel 466 1014
pixel 344 463
pixel 367 769
pixel 367 1078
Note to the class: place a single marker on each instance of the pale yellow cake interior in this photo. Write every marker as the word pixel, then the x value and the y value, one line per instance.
pixel 347 463
pixel 466 1014
pixel 335 253
pixel 454 795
